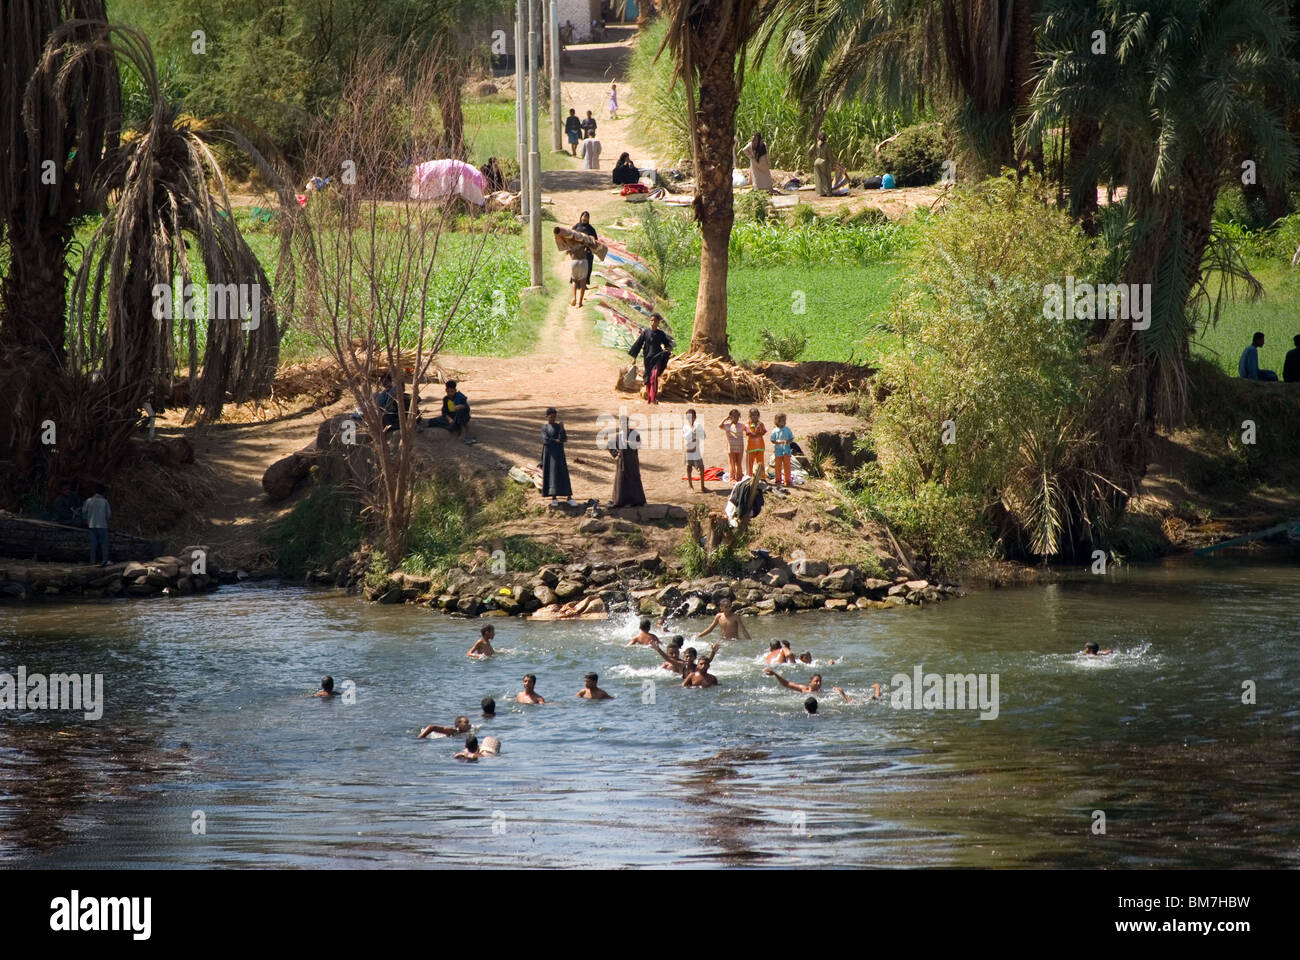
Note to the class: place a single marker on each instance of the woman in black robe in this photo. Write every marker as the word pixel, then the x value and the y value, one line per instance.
pixel 584 226
pixel 656 347
pixel 555 469
pixel 625 171
pixel 628 491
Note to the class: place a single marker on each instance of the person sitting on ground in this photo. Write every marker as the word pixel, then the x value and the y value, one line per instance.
pixel 461 725
pixel 1248 364
pixel 490 747
pixel 496 180
pixel 471 751
pixel 625 171
pixel 731 624
pixel 590 691
pixel 386 401
pixel 645 638
pixel 813 685
pixel 528 694
pixel 455 413
pixel 701 677
pixel 1092 649
pixel 67 506
pixel 489 707
pixel 482 648
pixel 326 688
pixel 1291 366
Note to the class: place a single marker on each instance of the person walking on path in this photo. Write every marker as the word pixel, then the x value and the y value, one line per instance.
pixel 656 347
pixel 581 283
pixel 591 153
pixel 589 126
pixel 97 513
pixel 573 130
pixel 613 101
pixel 555 468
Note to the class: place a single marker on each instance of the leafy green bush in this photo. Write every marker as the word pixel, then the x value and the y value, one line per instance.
pixel 788 347
pixel 992 409
pixel 752 206
pixel 915 157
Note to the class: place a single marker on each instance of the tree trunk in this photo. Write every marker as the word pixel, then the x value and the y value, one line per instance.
pixel 716 99
pixel 453 116
pixel 1024 52
pixel 1082 180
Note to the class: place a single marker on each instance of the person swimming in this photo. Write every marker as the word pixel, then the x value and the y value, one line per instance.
pixel 775 653
pixel 701 677
pixel 489 707
pixel 462 725
pixel 471 751
pixel 810 705
pixel 482 648
pixel 1093 650
pixel 672 656
pixel 645 638
pixel 813 685
pixel 490 748
pixel 730 623
pixel 590 691
pixel 528 694
pixel 326 688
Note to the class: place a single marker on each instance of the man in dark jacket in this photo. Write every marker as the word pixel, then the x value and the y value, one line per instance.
pixel 656 347
pixel 1291 366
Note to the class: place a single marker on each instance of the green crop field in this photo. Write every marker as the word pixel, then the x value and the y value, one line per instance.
pixel 840 308
pixel 1277 315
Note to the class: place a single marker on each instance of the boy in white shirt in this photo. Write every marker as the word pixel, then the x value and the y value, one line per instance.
pixel 693 441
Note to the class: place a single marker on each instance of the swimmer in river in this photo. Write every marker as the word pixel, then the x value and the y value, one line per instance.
pixel 326 688
pixel 813 685
pixel 701 677
pixel 471 751
pixel 730 623
pixel 810 705
pixel 461 726
pixel 482 648
pixel 685 665
pixel 1092 650
pixel 490 748
pixel 672 657
pixel 590 691
pixel 528 694
pixel 489 707
pixel 645 638
pixel 775 653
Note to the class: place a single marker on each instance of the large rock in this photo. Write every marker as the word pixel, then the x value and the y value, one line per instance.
pixel 567 590
pixel 592 525
pixel 777 576
pixel 282 476
pixel 806 601
pixel 875 588
pixel 808 568
pixel 544 595
pixel 839 581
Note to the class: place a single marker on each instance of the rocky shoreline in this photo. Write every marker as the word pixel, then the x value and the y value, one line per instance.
pixel 29 581
pixel 641 584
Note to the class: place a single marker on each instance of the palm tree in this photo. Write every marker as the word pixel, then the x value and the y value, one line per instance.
pixel 975 56
pixel 159 213
pixel 47 159
pixel 1189 86
pixel 708 42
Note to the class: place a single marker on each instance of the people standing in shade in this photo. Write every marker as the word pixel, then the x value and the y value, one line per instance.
pixel 825 168
pixel 760 167
pixel 693 444
pixel 573 130
pixel 589 126
pixel 1291 366
pixel 755 431
pixel 67 506
pixel 555 468
pixel 628 491
pixel 591 153
pixel 781 439
pixel 1248 363
pixel 581 283
pixel 735 431
pixel 613 101
pixel 625 171
pixel 655 347
pixel 97 513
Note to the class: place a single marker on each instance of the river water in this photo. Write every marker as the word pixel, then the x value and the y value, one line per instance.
pixel 211 751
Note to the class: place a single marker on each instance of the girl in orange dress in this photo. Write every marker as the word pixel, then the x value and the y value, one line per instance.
pixel 755 433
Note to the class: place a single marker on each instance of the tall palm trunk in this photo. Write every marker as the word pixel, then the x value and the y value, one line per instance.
pixel 1082 176
pixel 714 145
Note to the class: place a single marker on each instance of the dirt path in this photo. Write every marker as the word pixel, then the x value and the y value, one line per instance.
pixel 567 369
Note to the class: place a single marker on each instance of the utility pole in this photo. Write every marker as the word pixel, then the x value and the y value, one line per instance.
pixel 521 129
pixel 534 157
pixel 557 122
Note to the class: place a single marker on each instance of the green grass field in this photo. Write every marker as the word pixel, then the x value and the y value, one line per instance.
pixel 490 132
pixel 842 307
pixel 1277 314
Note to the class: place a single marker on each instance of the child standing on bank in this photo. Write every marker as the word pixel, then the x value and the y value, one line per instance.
pixel 735 432
pixel 755 431
pixel 693 443
pixel 781 438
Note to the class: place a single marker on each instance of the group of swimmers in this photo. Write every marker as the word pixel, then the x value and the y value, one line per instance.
pixel 686 663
